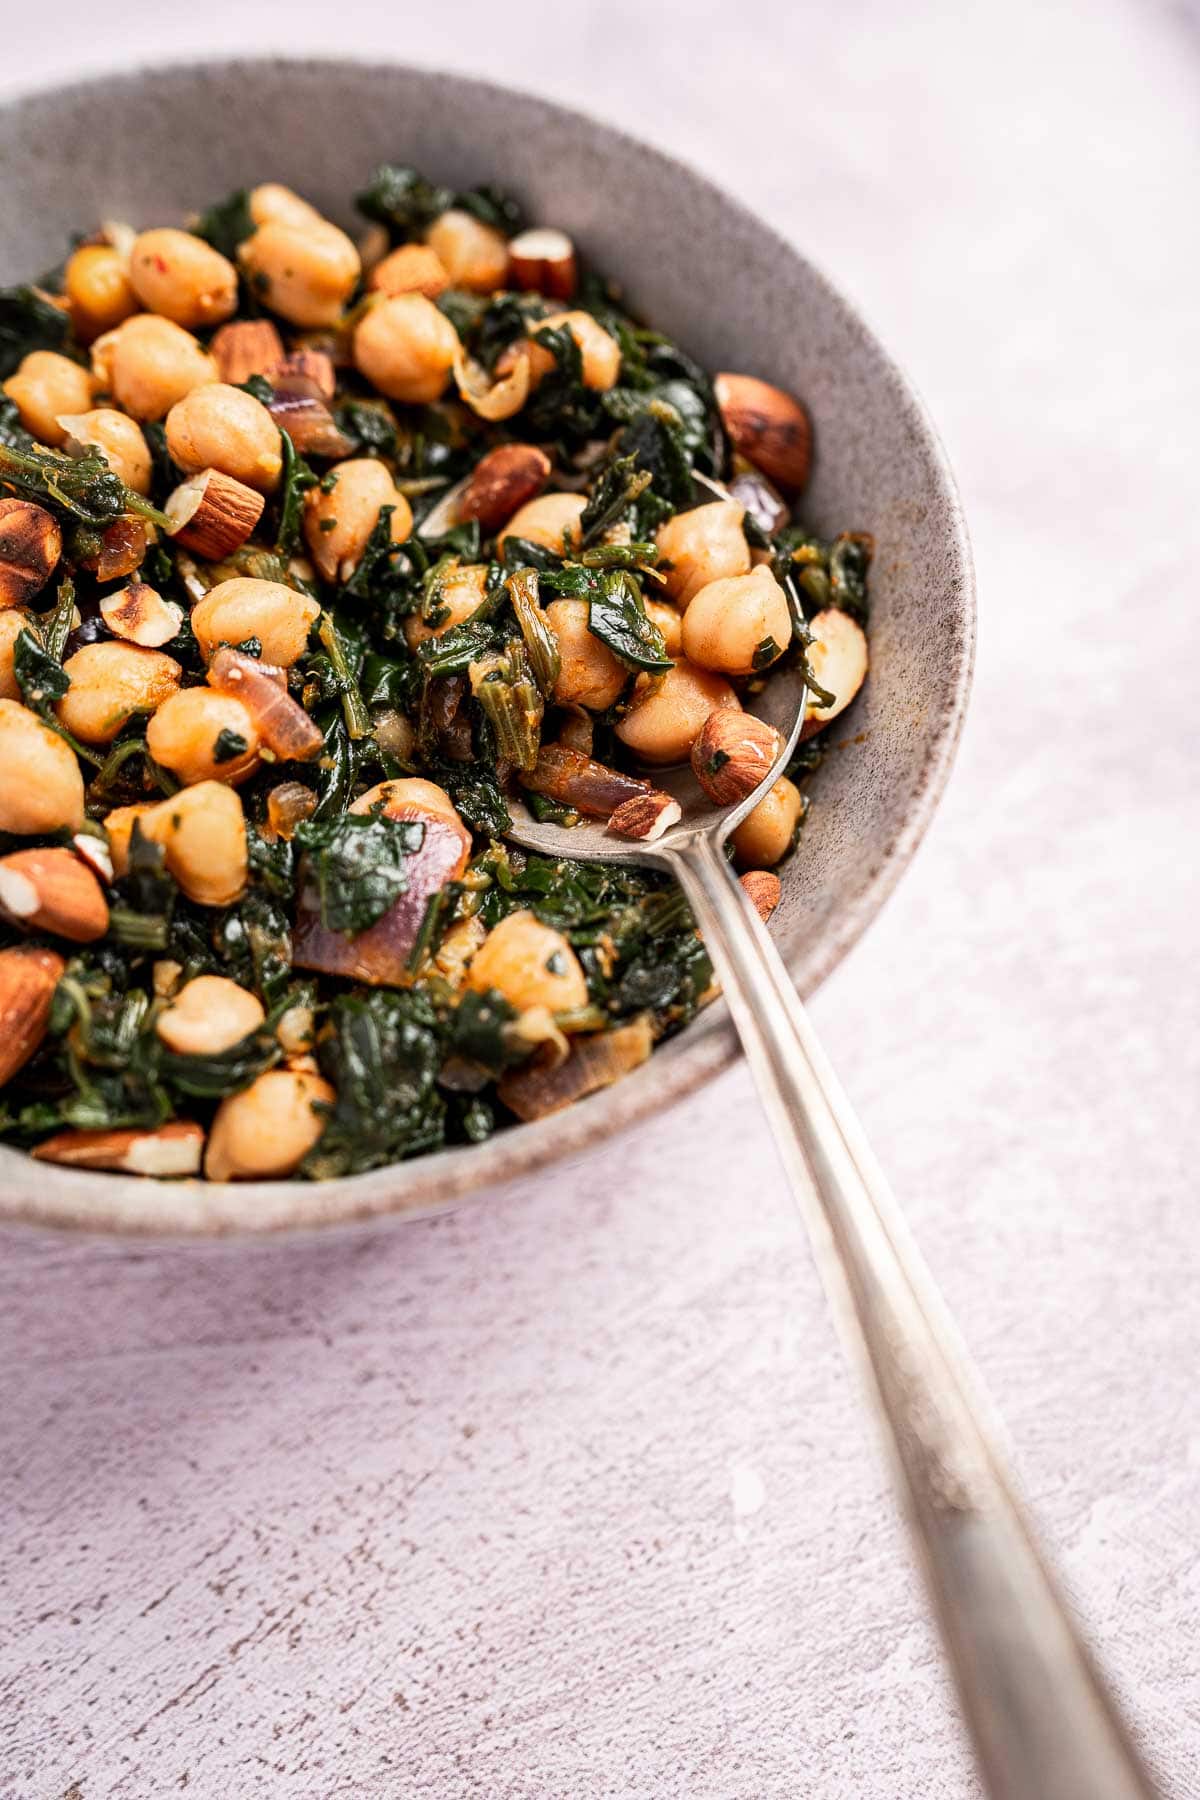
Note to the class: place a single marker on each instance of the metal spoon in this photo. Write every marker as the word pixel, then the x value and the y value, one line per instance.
pixel 1043 1725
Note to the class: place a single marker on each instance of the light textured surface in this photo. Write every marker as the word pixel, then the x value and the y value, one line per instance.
pixel 568 1495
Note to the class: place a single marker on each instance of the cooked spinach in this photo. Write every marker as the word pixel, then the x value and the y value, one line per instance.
pixel 617 616
pixel 29 320
pixel 358 865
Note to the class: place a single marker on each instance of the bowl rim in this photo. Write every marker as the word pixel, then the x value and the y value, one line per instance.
pixel 98 1205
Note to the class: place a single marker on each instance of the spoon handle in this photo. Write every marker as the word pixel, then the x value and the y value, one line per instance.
pixel 1043 1725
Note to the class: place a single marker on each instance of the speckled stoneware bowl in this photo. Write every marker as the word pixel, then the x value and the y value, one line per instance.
pixel 150 147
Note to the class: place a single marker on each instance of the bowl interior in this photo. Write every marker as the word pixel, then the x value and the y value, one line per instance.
pixel 152 146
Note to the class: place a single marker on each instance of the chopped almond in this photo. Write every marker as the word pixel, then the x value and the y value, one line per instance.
pixel 28 978
pixel 140 615
pixel 51 890
pixel 174 1149
pixel 646 816
pixel 212 515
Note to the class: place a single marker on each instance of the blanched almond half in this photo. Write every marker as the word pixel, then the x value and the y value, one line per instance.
pixel 542 261
pixel 173 1149
pixel 28 978
pixel 140 615
pixel 212 515
pixel 839 662
pixel 51 890
pixel 769 427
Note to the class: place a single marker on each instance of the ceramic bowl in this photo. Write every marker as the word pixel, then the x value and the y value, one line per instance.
pixel 150 147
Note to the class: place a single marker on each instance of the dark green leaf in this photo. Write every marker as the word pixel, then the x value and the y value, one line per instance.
pixel 617 616
pixel 227 224
pixel 357 865
pixel 28 321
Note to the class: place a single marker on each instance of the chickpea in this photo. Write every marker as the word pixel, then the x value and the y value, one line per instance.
pixel 118 826
pixel 181 277
pixel 406 347
pixel 268 1129
pixel 531 964
pixel 184 736
pixel 303 269
pixel 600 353
pixel 702 545
pixel 110 682
pixel 222 427
pixel 550 520
pixel 296 1030
pixel 460 594
pixel 44 385
pixel 590 675
pixel 412 269
pixel 278 616
pixel 98 289
pixel 273 204
pixel 12 623
pixel 342 512
pixel 203 832
pixel 667 714
pixel 669 623
pixel 41 788
pixel 119 437
pixel 739 623
pixel 209 1014
pixel 147 364
pixel 474 255
pixel 765 834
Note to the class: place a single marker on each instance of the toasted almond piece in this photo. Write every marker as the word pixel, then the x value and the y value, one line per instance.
pixel 839 662
pixel 502 481
pixel 212 514
pixel 174 1149
pixel 493 397
pixel 308 365
pixel 28 978
pixel 769 427
pixel 646 816
pixel 248 347
pixel 542 261
pixel 30 546
pixel 732 754
pixel 282 723
pixel 51 890
pixel 762 890
pixel 95 853
pixel 140 615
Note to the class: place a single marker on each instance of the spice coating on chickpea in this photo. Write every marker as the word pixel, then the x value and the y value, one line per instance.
pixel 119 437
pixel 273 203
pixel 202 830
pixel 303 269
pixel 551 520
pixel 209 1014
pixel 99 290
pixel 182 278
pixel 244 607
pixel 701 546
pixel 110 682
pixel 589 674
pixel 406 347
pixel 459 595
pixel 41 787
pixel 765 835
pixel 740 624
pixel 474 255
pixel 221 427
pixel 599 352
pixel 667 713
pixel 343 510
pixel 267 1130
pixel 148 364
pixel 411 269
pixel 531 964
pixel 44 385
pixel 200 735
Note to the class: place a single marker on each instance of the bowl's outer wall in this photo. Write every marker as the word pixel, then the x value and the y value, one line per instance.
pixel 153 146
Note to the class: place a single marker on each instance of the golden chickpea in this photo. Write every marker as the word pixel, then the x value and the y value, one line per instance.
pixel 267 1130
pixel 531 964
pixel 599 353
pixel 765 834
pixel 702 545
pixel 339 519
pixel 181 277
pixel 669 623
pixel 590 675
pixel 278 616
pixel 109 683
pixel 739 623
pixel 303 269
pixel 99 290
pixel 119 437
pixel 44 385
pixel 412 269
pixel 550 520
pixel 208 1015
pixel 185 736
pixel 118 826
pixel 221 427
pixel 667 714
pixel 459 595
pixel 474 255
pixel 202 829
pixel 273 204
pixel 147 364
pixel 12 623
pixel 41 788
pixel 406 347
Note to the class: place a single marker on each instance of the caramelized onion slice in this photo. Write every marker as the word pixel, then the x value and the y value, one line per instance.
pixel 283 725
pixel 595 1061
pixel 577 781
